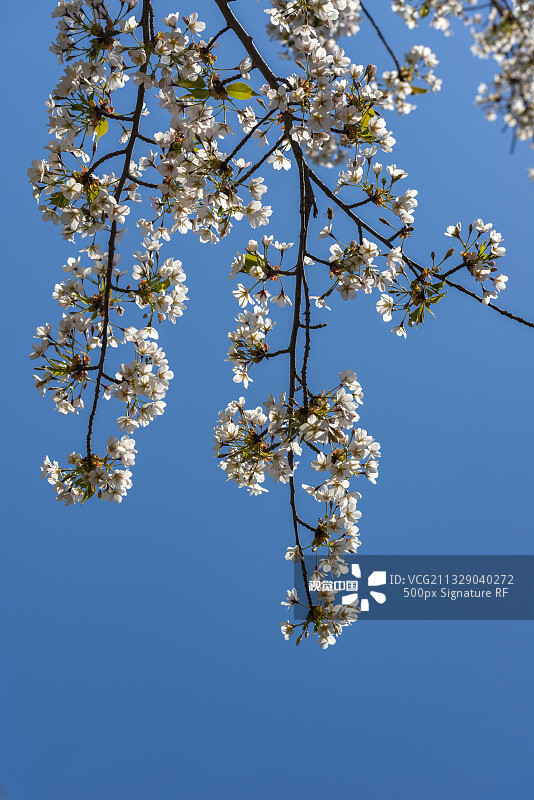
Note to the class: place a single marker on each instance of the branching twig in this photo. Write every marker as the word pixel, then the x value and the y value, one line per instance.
pixel 413 265
pixel 247 137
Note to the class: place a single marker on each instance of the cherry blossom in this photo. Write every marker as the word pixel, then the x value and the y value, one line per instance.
pixel 229 117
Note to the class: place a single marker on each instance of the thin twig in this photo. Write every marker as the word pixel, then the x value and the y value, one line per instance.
pixel 247 137
pixel 381 36
pixel 104 158
pixel 412 265
pixel 144 183
pixel 214 38
pixel 253 169
pixel 490 305
pixel 147 139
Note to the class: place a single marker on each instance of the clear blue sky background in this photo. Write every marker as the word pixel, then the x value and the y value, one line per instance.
pixel 141 655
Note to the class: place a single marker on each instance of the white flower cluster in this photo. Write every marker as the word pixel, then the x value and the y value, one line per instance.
pixel 255 443
pixel 501 31
pixel 331 19
pixel 398 84
pixel 439 10
pixel 480 254
pixel 66 367
pixel 193 190
pixel 361 172
pixel 333 102
pixel 248 341
pixel 94 475
pixel 328 22
pixel 353 268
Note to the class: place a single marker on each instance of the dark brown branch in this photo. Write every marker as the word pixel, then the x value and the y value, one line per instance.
pixel 490 305
pixel 305 210
pixel 312 447
pixel 319 260
pixel 381 36
pixel 315 327
pixel 230 79
pixel 214 38
pixel 413 265
pixel 124 291
pixel 253 169
pixel 151 22
pixel 451 271
pixel 306 525
pixel 248 43
pixel 247 137
pixel 104 158
pixel 307 339
pixel 147 139
pixel 276 353
pixel 307 203
pixel 144 183
pixel 112 115
pixel 113 233
pixel 361 203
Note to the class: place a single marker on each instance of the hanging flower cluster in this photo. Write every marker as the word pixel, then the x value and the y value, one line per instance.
pixel 192 189
pixel 503 31
pixel 326 22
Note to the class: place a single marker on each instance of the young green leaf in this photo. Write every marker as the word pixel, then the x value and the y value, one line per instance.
pixel 101 128
pixel 240 91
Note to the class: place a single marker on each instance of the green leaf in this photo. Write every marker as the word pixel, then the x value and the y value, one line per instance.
pixel 425 10
pixel 92 193
pixel 198 83
pixel 89 491
pixel 418 314
pixel 93 52
pixel 59 199
pixel 364 125
pixel 419 90
pixel 199 94
pixel 251 259
pixel 101 128
pixel 367 116
pixel 240 91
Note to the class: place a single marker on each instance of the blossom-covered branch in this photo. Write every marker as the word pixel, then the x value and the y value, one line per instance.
pixel 327 110
pixel 501 30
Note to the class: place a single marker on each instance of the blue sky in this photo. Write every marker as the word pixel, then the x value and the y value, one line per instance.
pixel 141 653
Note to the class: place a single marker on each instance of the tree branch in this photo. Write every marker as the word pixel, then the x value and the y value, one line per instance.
pixel 413 265
pixel 113 233
pixel 381 36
